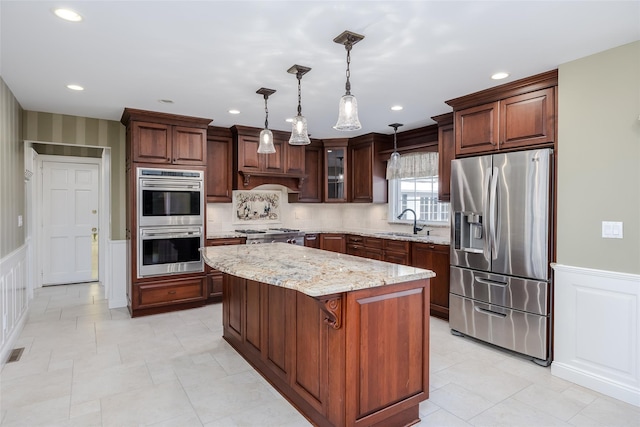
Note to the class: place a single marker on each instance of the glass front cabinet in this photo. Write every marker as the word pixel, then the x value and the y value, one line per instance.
pixel 335 170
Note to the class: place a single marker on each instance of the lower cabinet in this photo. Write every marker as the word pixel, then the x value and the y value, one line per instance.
pixel 435 258
pixel 169 292
pixel 323 354
pixel 312 240
pixel 334 242
pixel 214 277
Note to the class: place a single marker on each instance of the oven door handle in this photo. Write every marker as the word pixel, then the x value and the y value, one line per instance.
pixel 170 185
pixel 170 233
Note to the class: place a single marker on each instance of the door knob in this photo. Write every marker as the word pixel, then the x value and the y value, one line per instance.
pixel 94 230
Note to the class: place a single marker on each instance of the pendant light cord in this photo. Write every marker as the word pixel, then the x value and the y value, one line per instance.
pixel 348 46
pixel 299 76
pixel 266 113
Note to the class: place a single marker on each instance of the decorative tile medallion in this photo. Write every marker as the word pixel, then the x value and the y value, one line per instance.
pixel 256 206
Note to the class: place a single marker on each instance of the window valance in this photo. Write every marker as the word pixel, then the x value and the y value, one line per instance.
pixel 416 165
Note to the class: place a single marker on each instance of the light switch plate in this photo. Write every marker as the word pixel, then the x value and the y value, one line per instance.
pixel 612 229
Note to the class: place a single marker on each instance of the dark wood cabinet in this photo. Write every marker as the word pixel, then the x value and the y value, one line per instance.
pixel 512 116
pixel 367 171
pixel 365 246
pixel 165 139
pixel 436 258
pixel 219 164
pixel 528 119
pixel 336 166
pixel 311 188
pixel 397 251
pixel 312 240
pixel 446 153
pixel 286 166
pixel 214 277
pixel 334 242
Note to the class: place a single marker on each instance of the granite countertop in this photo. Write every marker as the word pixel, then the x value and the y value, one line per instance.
pixel 313 272
pixel 421 238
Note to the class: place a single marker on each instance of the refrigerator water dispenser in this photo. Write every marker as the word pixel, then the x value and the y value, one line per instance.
pixel 468 232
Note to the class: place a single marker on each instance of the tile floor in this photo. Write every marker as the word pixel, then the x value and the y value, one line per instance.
pixel 86 365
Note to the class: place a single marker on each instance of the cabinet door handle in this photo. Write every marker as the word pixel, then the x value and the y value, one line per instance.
pixel 171 292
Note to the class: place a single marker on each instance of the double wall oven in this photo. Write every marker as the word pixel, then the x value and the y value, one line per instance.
pixel 170 217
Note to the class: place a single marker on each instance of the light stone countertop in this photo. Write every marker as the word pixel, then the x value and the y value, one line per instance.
pixel 313 272
pixel 421 238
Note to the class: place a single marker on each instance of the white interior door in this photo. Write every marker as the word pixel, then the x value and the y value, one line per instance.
pixel 70 195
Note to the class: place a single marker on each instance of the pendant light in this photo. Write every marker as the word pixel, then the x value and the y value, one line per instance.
pixel 299 134
pixel 393 165
pixel 266 136
pixel 348 109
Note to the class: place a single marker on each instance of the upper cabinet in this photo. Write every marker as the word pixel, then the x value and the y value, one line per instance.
pixel 335 170
pixel 446 153
pixel 511 116
pixel 219 164
pixel 286 166
pixel 166 139
pixel 367 171
pixel 312 186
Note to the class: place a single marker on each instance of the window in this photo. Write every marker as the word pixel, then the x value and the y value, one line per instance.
pixel 419 194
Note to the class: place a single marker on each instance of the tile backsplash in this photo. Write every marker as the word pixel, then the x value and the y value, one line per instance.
pixel 319 217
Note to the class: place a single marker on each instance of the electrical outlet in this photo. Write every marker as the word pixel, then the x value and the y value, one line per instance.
pixel 19 220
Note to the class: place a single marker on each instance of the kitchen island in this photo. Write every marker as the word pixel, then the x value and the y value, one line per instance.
pixel 345 339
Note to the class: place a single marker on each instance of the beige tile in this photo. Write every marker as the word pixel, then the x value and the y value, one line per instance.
pixel 114 380
pixel 612 412
pixel 36 388
pixel 512 412
pixel 180 421
pixel 562 406
pixel 459 401
pixel 40 413
pixel 85 408
pixel 274 414
pixel 147 405
pixel 441 418
pixel 228 396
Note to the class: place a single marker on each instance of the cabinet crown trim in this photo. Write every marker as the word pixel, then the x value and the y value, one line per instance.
pixel 518 87
pixel 131 114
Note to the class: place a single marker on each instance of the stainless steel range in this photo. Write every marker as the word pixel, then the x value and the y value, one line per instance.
pixel 273 235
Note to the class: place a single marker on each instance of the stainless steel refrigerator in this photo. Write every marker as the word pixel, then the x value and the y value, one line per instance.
pixel 501 222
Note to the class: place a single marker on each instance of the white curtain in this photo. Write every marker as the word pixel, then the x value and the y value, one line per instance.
pixel 416 165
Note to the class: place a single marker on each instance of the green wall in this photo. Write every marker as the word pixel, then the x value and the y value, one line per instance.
pixel 599 159
pixel 12 186
pixel 60 128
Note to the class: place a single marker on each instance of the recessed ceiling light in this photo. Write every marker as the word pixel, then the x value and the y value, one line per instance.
pixel 234 111
pixel 75 87
pixel 68 15
pixel 165 101
pixel 500 76
pixel 397 107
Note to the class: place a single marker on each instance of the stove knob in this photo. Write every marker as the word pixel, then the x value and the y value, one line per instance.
pixel 293 241
pixel 254 243
pixel 274 241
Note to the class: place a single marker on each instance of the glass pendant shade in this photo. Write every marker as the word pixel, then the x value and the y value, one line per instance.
pixel 299 134
pixel 348 114
pixel 266 142
pixel 393 166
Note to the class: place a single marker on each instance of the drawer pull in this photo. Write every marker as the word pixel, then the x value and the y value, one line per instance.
pixel 489 312
pixel 490 282
pixel 171 292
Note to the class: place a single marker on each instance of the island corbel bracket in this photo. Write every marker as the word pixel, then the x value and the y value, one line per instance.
pixel 331 305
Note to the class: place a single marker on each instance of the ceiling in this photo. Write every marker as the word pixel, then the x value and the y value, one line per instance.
pixel 211 56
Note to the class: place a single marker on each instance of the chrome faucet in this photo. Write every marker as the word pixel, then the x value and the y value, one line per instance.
pixel 415 220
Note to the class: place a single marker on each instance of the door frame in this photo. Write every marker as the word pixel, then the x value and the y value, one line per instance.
pixel 104 202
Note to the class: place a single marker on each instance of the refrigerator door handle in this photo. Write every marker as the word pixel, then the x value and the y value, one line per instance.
pixel 493 203
pixel 486 226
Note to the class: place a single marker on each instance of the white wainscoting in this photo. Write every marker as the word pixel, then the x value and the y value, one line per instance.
pixel 13 299
pixel 597 331
pixel 116 281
